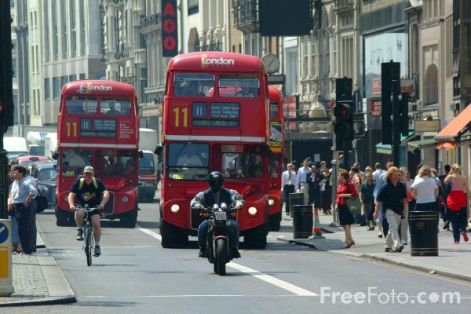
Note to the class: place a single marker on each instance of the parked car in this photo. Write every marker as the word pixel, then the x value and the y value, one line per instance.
pixel 46 178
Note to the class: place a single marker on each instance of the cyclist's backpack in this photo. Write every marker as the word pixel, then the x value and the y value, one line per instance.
pixel 82 180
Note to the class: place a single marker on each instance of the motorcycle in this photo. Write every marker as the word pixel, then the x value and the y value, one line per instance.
pixel 218 243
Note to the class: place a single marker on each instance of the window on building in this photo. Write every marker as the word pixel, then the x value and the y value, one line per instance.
pixel 46 31
pixel 82 76
pixel 449 46
pixel 82 27
pixel 305 45
pixel 56 87
pixel 47 92
pixel 192 7
pixel 55 31
pixel 431 85
pixel 73 29
pixel 64 32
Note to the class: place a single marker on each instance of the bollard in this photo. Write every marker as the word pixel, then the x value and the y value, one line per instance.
pixel 302 221
pixel 423 233
pixel 6 285
pixel 295 199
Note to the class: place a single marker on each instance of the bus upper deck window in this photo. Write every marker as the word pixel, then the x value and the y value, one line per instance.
pixel 80 105
pixel 115 107
pixel 239 85
pixel 193 84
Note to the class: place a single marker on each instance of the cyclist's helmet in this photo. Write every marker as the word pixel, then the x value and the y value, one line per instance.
pixel 215 180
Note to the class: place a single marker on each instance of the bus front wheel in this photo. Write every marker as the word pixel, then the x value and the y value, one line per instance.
pixel 129 219
pixel 172 237
pixel 63 219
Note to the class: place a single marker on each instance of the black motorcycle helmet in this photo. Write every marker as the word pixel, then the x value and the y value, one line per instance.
pixel 215 180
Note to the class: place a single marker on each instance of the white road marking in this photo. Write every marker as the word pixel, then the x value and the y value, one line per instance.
pixel 255 273
pixel 194 296
pixel 273 281
pixel 151 233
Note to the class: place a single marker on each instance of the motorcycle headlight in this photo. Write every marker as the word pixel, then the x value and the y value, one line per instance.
pixel 125 199
pixel 271 202
pixel 175 208
pixel 252 211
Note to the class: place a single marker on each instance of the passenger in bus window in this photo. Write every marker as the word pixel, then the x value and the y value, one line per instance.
pixel 129 169
pixel 248 92
pixel 113 108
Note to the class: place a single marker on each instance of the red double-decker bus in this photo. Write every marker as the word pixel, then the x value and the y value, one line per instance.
pixel 98 125
pixel 215 117
pixel 276 143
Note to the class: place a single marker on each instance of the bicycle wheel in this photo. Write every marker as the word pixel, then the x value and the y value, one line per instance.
pixel 87 231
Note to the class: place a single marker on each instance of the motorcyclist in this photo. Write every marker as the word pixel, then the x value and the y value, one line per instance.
pixel 217 194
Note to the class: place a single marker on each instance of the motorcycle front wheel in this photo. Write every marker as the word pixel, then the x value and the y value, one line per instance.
pixel 220 262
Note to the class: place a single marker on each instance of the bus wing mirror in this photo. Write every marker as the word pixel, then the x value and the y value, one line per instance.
pixel 55 156
pixel 141 154
pixel 158 150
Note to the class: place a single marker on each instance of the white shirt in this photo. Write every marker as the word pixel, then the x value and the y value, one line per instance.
pixel 426 189
pixel 377 173
pixel 286 179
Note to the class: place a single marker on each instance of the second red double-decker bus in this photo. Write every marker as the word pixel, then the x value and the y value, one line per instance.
pixel 276 143
pixel 98 125
pixel 215 117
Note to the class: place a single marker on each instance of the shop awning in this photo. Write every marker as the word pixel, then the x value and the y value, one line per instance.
pixel 453 130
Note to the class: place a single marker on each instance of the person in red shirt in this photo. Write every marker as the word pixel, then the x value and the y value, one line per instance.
pixel 345 191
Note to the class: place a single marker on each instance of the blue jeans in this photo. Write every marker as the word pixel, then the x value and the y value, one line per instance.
pixel 233 234
pixel 15 237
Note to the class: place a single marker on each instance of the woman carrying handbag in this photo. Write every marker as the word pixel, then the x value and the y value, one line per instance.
pixel 345 191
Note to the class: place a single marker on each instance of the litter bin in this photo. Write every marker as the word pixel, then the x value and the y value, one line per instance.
pixel 302 221
pixel 295 199
pixel 424 233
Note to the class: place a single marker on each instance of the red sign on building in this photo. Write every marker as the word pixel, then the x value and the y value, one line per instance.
pixel 169 28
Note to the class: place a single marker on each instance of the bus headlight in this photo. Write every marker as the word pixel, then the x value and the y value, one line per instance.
pixel 175 208
pixel 271 202
pixel 125 199
pixel 252 211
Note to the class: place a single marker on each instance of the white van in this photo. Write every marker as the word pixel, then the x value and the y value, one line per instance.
pixel 15 147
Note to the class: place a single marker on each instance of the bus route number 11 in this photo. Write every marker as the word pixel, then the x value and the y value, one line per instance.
pixel 71 128
pixel 184 116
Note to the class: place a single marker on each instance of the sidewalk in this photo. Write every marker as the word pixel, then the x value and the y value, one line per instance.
pixel 37 279
pixel 451 262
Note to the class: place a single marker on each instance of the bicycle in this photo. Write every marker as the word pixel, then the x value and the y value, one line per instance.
pixel 89 241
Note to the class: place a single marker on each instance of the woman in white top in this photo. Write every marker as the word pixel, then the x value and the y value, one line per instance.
pixel 425 190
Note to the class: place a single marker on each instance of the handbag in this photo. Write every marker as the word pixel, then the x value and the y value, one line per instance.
pixel 354 205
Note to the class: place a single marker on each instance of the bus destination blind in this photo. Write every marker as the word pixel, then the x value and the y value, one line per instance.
pixel 98 128
pixel 224 115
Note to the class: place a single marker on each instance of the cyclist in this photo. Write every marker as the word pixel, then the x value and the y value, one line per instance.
pixel 88 190
pixel 217 194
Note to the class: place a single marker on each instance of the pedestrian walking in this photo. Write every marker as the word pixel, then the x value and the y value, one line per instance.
pixel 393 199
pixel 377 172
pixel 288 179
pixel 301 180
pixel 367 200
pixel 457 202
pixel 326 188
pixel 425 190
pixel 404 227
pixel 314 181
pixel 381 222
pixel 22 200
pixel 444 193
pixel 345 191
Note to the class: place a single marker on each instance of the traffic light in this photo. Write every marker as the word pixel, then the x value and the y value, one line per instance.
pixel 343 124
pixel 389 72
pixel 6 71
pixel 343 114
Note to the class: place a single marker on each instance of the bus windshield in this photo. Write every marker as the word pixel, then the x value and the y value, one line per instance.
pixel 117 163
pixel 194 84
pixel 146 164
pixel 73 161
pixel 236 165
pixel 188 161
